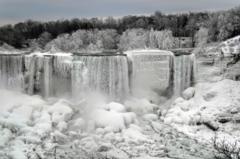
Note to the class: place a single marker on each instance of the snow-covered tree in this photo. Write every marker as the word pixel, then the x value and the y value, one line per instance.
pixel 201 36
pixel 133 39
pixel 161 39
pixel 83 40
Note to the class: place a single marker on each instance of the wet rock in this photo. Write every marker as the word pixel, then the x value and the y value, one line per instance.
pixel 234 110
pixel 237 119
pixel 211 125
pixel 104 148
pixel 224 118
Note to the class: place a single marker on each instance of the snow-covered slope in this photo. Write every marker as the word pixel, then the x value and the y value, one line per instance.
pixel 212 104
pixel 231 46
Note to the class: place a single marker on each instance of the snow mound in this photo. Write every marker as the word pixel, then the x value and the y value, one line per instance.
pixel 140 106
pixel 113 106
pixel 112 119
pixel 112 116
pixel 60 111
pixel 134 134
pixel 188 93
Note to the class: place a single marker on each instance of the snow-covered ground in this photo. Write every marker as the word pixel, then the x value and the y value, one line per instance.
pixel 33 128
pixel 207 110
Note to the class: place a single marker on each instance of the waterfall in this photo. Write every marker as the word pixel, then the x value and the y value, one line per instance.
pixel 33 73
pixel 11 71
pixel 48 74
pixel 151 72
pixel 101 73
pixel 47 82
pixel 62 68
pixel 143 73
pixel 184 71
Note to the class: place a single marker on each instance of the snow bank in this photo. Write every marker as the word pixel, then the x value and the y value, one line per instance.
pixel 60 111
pixel 134 134
pixel 140 106
pixel 103 118
pixel 113 116
pixel 210 102
pixel 26 121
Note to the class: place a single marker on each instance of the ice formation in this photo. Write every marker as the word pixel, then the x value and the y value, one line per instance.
pixel 141 73
pixel 11 71
pixel 106 74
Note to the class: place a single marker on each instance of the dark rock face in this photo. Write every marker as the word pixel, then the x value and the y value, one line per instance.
pixel 233 71
pixel 211 125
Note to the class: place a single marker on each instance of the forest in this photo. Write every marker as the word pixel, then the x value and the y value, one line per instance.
pixel 117 33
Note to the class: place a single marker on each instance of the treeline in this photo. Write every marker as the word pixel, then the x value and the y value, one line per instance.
pixel 108 39
pixel 219 26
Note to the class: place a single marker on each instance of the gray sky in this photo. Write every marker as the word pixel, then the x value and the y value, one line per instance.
pixel 12 11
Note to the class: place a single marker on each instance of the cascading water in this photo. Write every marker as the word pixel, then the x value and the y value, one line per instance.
pixel 47 82
pixel 33 73
pixel 151 73
pixel 184 70
pixel 11 71
pixel 62 68
pixel 101 73
pixel 48 74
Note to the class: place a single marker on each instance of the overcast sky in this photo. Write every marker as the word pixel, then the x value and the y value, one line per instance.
pixel 12 11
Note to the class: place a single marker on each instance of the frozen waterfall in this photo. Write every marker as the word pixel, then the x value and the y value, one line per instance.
pixel 48 74
pixel 184 71
pixel 151 72
pixel 157 73
pixel 11 71
pixel 141 73
pixel 102 73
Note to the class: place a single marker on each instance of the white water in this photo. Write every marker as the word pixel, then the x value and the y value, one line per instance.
pixel 160 73
pixel 11 72
pixel 62 67
pixel 148 73
pixel 184 70
pixel 151 73
pixel 107 75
